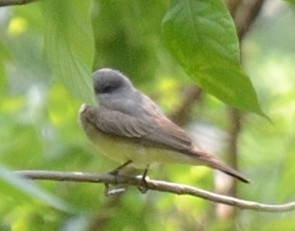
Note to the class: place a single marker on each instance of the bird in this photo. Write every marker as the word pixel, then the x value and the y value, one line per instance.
pixel 128 127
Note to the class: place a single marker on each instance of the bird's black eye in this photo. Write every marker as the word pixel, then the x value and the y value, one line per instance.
pixel 107 89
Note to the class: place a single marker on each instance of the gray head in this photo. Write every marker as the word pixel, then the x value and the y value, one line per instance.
pixel 108 82
pixel 115 91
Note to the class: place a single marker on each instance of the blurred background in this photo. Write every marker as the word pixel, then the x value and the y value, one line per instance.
pixel 39 129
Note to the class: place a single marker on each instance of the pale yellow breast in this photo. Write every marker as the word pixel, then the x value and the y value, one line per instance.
pixel 122 150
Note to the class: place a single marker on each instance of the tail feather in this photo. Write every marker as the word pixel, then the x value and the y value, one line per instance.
pixel 210 160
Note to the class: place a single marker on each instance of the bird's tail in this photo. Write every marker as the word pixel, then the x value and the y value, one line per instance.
pixel 210 160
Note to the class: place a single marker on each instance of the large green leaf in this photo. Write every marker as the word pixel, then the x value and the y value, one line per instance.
pixel 200 35
pixel 69 44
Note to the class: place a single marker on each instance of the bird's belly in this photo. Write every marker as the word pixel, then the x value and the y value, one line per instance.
pixel 124 149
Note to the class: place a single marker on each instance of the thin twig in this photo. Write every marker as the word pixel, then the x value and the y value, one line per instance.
pixel 156 185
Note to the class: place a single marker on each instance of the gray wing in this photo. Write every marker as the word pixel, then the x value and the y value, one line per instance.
pixel 154 130
pixel 168 135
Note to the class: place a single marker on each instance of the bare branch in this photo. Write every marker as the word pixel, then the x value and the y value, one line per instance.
pixel 156 185
pixel 244 14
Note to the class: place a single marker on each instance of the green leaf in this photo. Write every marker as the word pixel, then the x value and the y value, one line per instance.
pixel 21 186
pixel 70 45
pixel 200 35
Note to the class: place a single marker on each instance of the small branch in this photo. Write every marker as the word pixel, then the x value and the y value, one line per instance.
pixel 232 6
pixel 230 187
pixel 156 185
pixel 245 14
pixel 15 2
pixel 234 130
pixel 191 94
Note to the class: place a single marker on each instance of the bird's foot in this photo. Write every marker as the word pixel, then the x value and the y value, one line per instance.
pixel 145 187
pixel 115 173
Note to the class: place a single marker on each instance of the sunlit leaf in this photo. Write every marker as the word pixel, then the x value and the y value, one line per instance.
pixel 69 44
pixel 201 36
